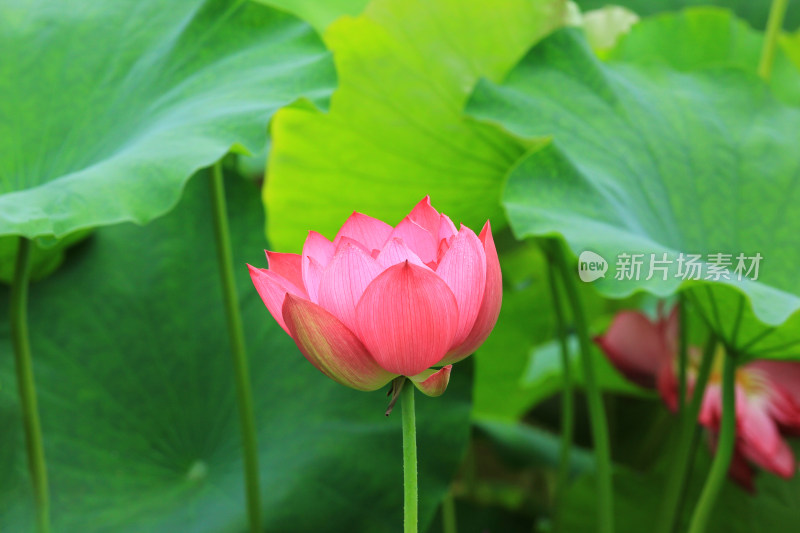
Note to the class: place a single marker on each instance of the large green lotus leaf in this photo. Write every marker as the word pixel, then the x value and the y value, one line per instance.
pixel 755 12
pixel 790 44
pixel 649 160
pixel 109 107
pixel 319 14
pixel 395 131
pixel 136 393
pixel 708 37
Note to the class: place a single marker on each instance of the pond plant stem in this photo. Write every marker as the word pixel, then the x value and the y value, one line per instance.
pixel 724 451
pixel 597 414
pixel 683 352
pixel 449 524
pixel 244 395
pixel 683 453
pixel 567 395
pixel 774 26
pixel 410 496
pixel 26 384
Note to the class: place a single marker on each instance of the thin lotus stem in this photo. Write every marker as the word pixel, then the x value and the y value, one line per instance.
pixel 567 397
pixel 683 351
pixel 597 414
pixel 774 26
pixel 410 497
pixel 244 395
pixel 27 385
pixel 449 513
pixel 687 478
pixel 687 439
pixel 725 447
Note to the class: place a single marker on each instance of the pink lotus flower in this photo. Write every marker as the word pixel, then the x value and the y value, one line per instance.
pixel 380 302
pixel 767 392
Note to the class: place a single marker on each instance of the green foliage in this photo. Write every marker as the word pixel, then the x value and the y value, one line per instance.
pixel 755 12
pixel 319 14
pixel 670 143
pixel 108 108
pixel 526 446
pixel 709 37
pixel 544 374
pixel 519 365
pixel 647 159
pixel 525 321
pixel 136 393
pixel 395 131
pixel 46 254
pixel 775 506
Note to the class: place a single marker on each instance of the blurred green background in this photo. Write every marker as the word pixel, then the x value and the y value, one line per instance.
pixel 518 111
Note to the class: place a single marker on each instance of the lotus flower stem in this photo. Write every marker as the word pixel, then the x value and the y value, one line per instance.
pixel 244 395
pixel 774 27
pixel 597 414
pixel 683 352
pixel 27 385
pixel 567 396
pixel 725 447
pixel 687 440
pixel 410 497
pixel 449 513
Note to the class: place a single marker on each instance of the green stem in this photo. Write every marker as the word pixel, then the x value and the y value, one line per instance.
pixel 409 460
pixel 683 352
pixel 725 447
pixel 449 513
pixel 597 414
pixel 774 27
pixel 567 397
pixel 687 479
pixel 244 395
pixel 683 453
pixel 27 385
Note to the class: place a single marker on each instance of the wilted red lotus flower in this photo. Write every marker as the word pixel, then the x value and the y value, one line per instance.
pixel 380 302
pixel 767 392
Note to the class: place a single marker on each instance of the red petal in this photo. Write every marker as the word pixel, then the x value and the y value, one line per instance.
pixel 490 306
pixel 394 252
pixel 407 319
pixel 272 288
pixel 783 375
pixel 433 382
pixel 331 347
pixel 312 276
pixel 417 238
pixel 344 281
pixel 317 253
pixel 463 268
pixel 446 228
pixel 288 266
pixel 342 241
pixel 426 216
pixel 781 461
pixel 370 232
pixel 318 247
pixel 636 346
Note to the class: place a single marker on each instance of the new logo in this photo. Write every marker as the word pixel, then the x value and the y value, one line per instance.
pixel 591 266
